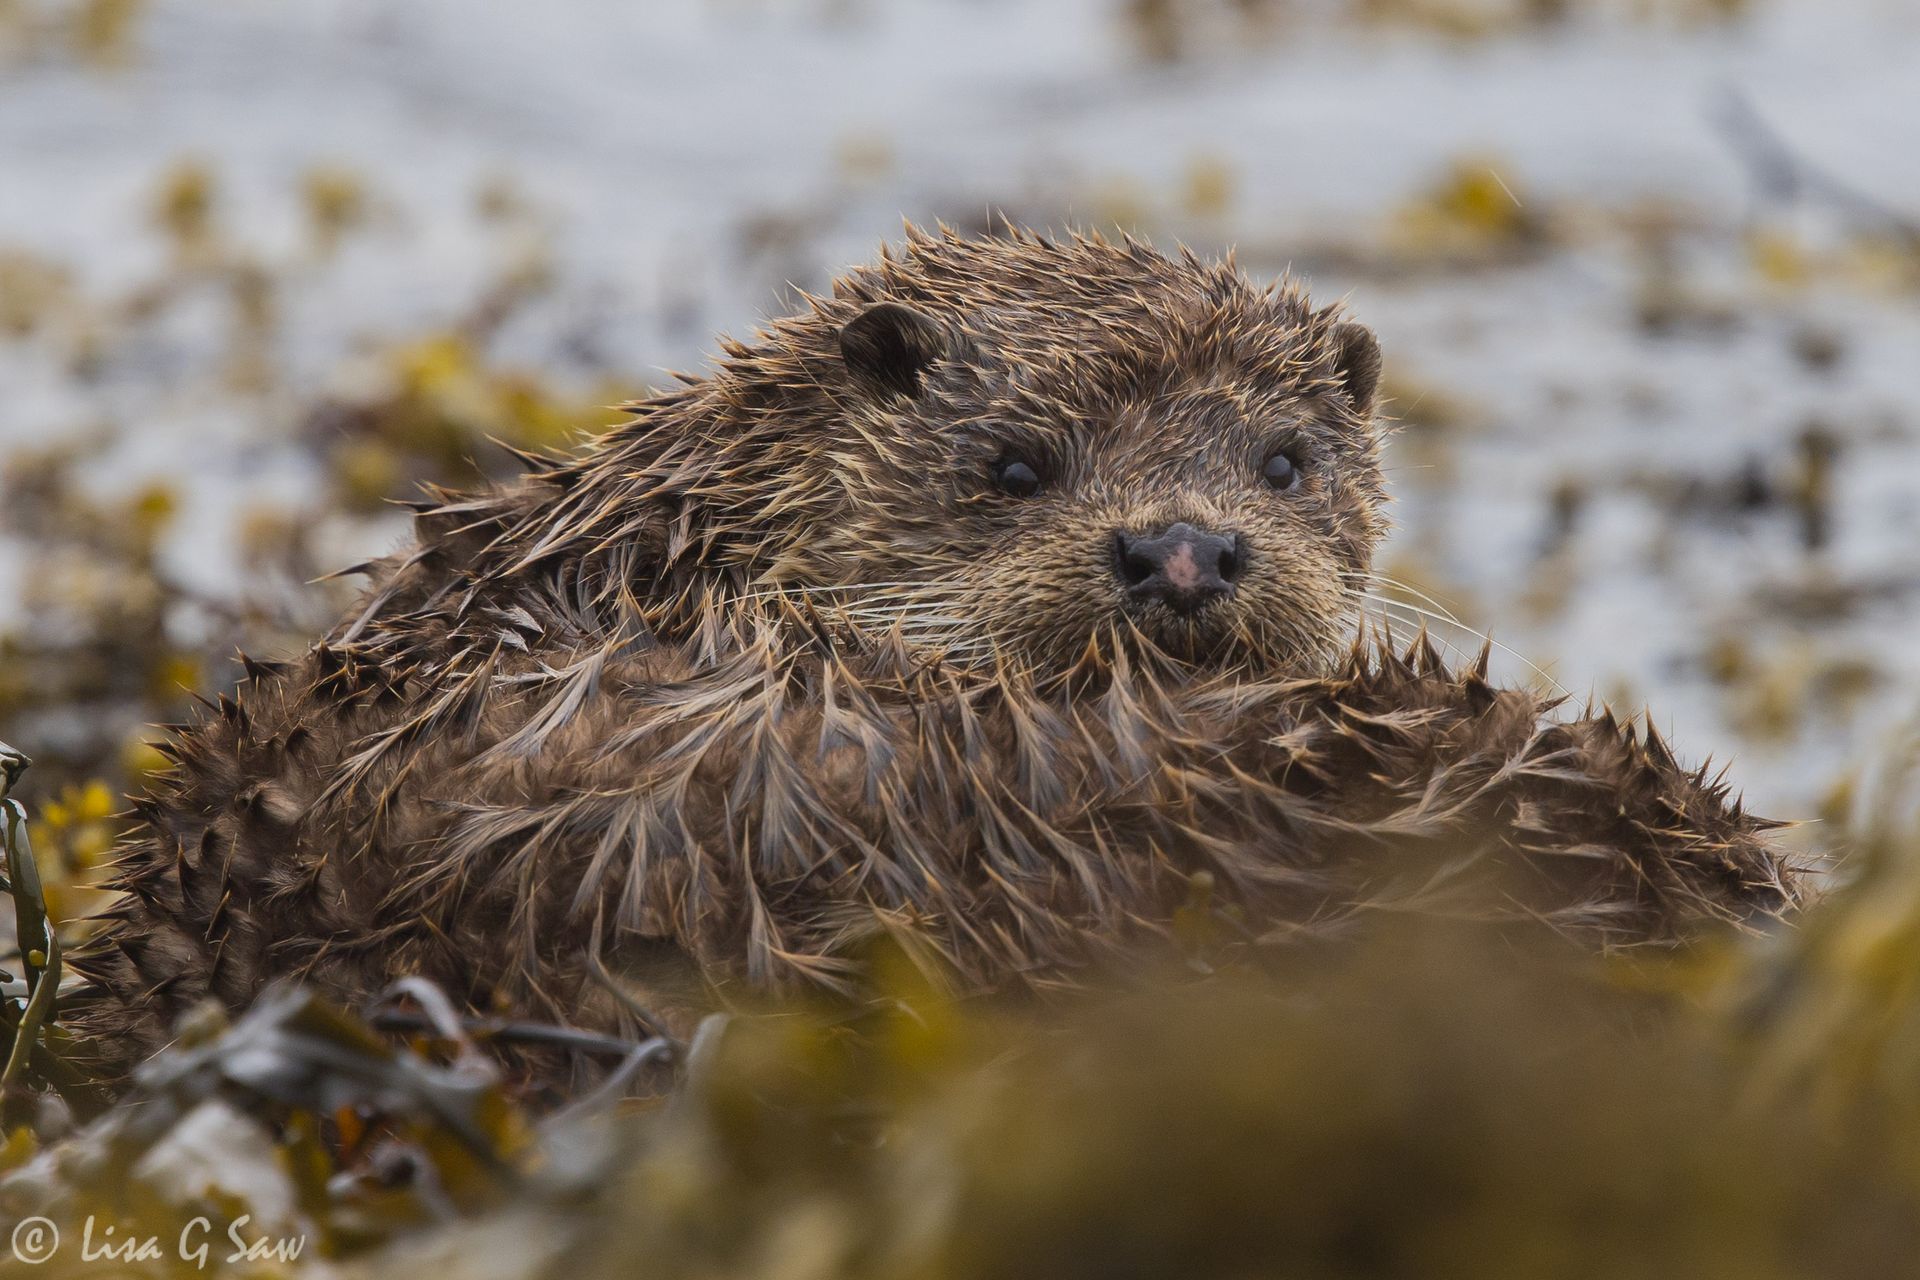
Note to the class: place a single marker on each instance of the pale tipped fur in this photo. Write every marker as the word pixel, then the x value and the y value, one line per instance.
pixel 775 670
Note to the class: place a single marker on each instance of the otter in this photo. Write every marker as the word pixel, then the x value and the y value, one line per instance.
pixel 999 607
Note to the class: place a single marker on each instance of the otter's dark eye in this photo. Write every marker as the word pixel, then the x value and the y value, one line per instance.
pixel 1016 478
pixel 1280 472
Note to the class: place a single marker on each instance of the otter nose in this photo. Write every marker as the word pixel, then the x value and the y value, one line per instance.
pixel 1183 566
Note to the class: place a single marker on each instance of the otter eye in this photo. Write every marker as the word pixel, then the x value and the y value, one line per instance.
pixel 1280 472
pixel 1016 478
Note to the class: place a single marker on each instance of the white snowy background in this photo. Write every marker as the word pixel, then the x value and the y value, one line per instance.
pixel 1628 365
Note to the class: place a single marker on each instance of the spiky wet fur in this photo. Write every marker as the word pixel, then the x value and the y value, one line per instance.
pixel 632 706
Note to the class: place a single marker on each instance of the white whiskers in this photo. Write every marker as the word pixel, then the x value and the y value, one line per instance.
pixel 1422 615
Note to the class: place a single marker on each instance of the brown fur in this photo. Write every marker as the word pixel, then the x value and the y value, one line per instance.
pixel 634 706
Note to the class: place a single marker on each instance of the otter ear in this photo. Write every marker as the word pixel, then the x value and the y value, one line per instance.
pixel 890 344
pixel 1358 361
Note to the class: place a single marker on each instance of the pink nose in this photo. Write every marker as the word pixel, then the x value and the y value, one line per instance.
pixel 1183 567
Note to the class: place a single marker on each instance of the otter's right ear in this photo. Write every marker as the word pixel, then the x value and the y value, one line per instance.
pixel 1358 360
pixel 888 346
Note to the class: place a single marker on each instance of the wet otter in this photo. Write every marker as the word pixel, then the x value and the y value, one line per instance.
pixel 999 603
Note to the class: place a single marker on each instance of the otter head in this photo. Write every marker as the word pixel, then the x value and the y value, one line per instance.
pixel 1040 448
pixel 1028 451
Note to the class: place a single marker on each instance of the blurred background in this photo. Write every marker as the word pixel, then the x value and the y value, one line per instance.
pixel 1647 273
